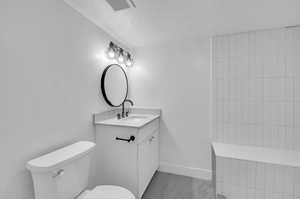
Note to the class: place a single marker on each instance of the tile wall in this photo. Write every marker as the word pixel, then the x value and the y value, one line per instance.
pixel 256 81
pixel 256 78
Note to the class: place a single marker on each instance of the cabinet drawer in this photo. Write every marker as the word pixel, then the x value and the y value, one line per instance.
pixel 148 129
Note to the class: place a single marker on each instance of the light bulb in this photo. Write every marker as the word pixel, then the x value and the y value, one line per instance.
pixel 128 60
pixel 111 53
pixel 121 56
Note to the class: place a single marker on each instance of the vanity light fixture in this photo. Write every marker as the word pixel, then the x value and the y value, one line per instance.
pixel 118 53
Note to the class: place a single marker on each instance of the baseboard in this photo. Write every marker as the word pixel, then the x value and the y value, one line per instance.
pixel 185 171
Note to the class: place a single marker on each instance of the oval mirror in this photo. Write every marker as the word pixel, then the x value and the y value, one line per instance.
pixel 114 85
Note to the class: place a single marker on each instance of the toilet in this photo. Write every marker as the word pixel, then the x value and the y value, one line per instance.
pixel 63 174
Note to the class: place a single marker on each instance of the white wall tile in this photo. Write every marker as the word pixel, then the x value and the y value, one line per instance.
pixel 297 183
pixel 289 114
pixel 270 178
pixel 256 89
pixel 219 133
pixel 279 179
pixel 289 89
pixel 267 136
pixel 220 66
pixel 274 113
pixel 255 60
pixel 274 89
pixel 258 99
pixel 220 169
pixel 250 193
pixel 288 180
pixel 246 137
pixel 297 87
pixel 220 90
pixel 274 52
pixel 256 113
pixel 297 113
pixel 243 173
pixel 236 172
pixel 268 95
pixel 251 174
pixel 290 138
pixel 220 189
pixel 259 194
pixel 296 139
pixel 293 50
pixel 255 135
pixel 260 176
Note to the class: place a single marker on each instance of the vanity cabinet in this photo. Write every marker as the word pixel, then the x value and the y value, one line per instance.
pixel 147 160
pixel 127 164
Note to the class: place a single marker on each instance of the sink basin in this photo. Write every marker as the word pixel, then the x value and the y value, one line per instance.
pixel 135 118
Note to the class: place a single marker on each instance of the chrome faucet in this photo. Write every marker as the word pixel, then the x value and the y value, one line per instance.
pixel 123 115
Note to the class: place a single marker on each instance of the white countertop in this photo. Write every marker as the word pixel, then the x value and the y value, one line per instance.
pixel 258 154
pixel 134 120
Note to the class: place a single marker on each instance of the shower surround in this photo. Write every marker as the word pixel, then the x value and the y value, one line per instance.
pixel 256 81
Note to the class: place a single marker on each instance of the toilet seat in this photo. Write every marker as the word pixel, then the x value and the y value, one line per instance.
pixel 109 192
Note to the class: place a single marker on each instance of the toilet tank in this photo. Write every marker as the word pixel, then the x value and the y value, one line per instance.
pixel 62 174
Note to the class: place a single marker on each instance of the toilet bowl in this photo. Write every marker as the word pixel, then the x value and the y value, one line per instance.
pixel 63 174
pixel 107 192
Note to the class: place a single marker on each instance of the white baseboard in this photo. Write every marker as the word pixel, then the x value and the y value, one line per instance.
pixel 185 171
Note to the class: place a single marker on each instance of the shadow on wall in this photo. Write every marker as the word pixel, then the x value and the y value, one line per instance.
pixel 170 145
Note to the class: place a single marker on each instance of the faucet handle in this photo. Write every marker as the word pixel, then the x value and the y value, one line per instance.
pixel 127 113
pixel 119 116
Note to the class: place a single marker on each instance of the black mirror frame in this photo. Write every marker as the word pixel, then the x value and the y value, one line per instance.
pixel 103 85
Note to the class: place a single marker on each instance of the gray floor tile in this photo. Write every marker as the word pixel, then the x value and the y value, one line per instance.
pixel 170 186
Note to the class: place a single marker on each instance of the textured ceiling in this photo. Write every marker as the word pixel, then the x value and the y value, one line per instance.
pixel 157 21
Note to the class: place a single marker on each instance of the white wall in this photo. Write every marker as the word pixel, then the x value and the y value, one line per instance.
pixel 176 78
pixel 50 64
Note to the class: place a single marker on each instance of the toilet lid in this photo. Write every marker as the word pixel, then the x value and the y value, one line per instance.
pixel 109 192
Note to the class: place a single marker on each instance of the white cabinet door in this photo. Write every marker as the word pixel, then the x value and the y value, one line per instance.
pixel 116 159
pixel 145 164
pixel 148 151
pixel 154 152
